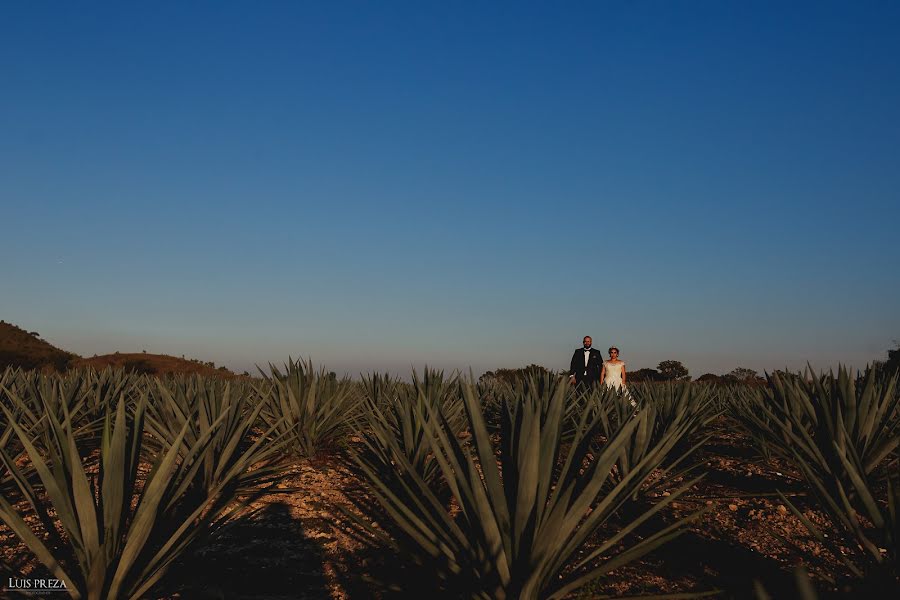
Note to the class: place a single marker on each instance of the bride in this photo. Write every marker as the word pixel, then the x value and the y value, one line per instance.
pixel 613 372
pixel 613 375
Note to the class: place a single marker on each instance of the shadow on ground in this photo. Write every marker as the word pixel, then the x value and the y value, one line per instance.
pixel 263 556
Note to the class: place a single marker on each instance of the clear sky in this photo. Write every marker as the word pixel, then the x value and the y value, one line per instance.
pixel 384 184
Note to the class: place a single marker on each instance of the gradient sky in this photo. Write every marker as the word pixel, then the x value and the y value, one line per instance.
pixel 383 184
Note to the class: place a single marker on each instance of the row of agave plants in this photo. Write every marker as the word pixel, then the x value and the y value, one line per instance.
pixel 497 491
pixel 108 477
pixel 841 434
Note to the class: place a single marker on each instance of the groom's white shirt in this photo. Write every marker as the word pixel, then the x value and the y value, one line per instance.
pixel 587 356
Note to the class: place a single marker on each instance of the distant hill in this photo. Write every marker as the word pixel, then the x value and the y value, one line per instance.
pixel 153 364
pixel 26 349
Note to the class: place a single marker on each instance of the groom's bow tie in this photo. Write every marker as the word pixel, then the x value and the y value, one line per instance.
pixel 587 349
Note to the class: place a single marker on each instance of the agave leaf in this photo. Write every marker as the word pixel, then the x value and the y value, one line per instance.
pixel 61 501
pixel 113 448
pixel 146 512
pixel 519 522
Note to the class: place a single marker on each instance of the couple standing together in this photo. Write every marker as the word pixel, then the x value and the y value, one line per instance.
pixel 588 367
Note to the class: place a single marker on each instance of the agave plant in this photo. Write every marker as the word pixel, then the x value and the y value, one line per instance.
pixel 840 436
pixel 306 408
pixel 381 389
pixel 816 418
pixel 521 510
pixel 493 391
pixel 757 419
pixel 33 395
pixel 8 378
pixel 110 531
pixel 672 414
pixel 396 419
pixel 104 388
pixel 218 413
pixel 680 400
pixel 866 534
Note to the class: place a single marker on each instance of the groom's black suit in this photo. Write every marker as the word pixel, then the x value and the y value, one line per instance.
pixel 587 374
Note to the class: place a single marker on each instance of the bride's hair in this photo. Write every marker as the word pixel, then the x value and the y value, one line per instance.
pixel 611 348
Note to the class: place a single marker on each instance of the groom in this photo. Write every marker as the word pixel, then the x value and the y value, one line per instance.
pixel 586 365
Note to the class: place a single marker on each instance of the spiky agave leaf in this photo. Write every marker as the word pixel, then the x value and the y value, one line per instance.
pixel 869 546
pixel 34 395
pixel 32 399
pixel 309 409
pixel 817 416
pixel 399 413
pixel 122 529
pixel 674 412
pixel 220 413
pixel 838 435
pixel 522 515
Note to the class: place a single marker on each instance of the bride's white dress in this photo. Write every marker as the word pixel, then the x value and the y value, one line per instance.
pixel 613 379
pixel 613 376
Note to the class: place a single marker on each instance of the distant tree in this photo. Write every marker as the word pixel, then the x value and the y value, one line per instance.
pixel 892 364
pixel 139 366
pixel 514 375
pixel 742 374
pixel 645 375
pixel 62 361
pixel 486 376
pixel 672 370
pixel 709 378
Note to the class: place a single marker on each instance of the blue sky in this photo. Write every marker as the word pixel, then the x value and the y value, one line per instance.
pixel 384 185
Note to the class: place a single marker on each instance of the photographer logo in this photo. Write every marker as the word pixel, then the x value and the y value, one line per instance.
pixel 36 586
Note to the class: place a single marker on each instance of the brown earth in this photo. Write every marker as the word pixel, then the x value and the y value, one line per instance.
pixel 21 348
pixel 153 364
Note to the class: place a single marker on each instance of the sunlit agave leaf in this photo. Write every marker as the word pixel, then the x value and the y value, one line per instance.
pixel 307 409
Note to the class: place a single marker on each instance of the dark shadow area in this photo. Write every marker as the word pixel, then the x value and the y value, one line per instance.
pixel 693 562
pixel 263 555
pixel 725 566
pixel 753 484
pixel 747 452
pixel 384 572
pixel 390 576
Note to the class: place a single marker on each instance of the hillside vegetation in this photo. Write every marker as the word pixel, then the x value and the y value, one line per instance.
pixel 21 348
pixel 26 350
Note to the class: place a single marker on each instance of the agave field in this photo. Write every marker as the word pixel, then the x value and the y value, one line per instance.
pixel 297 484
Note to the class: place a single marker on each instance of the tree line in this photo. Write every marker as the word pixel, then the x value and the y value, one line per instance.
pixel 674 370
